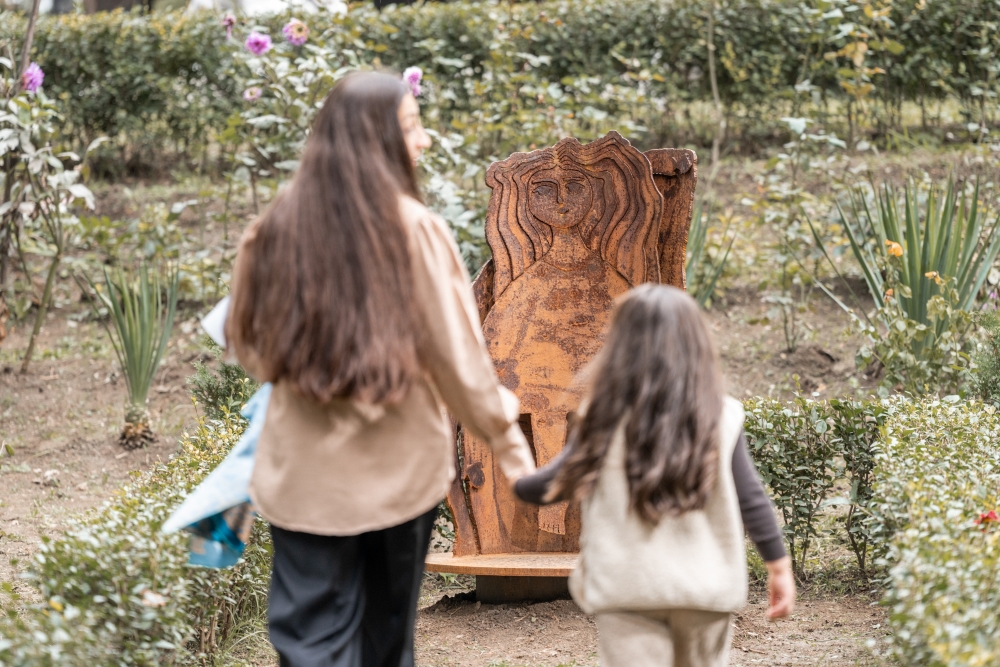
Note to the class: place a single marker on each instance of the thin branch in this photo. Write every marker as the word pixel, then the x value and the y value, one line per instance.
pixel 29 37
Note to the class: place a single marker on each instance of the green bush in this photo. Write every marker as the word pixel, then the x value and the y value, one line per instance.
pixel 223 391
pixel 802 449
pixel 167 78
pixel 114 590
pixel 938 473
pixel 145 80
pixel 795 453
pixel 986 361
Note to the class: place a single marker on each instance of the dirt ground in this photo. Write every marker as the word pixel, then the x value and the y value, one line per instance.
pixel 458 632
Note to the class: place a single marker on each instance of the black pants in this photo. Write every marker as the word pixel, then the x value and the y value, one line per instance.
pixel 347 601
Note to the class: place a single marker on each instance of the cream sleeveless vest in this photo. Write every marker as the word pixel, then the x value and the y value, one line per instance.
pixel 692 561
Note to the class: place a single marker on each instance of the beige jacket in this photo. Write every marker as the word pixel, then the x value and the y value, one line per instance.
pixel 693 561
pixel 346 468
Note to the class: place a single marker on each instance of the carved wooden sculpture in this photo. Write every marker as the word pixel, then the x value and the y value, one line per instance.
pixel 571 228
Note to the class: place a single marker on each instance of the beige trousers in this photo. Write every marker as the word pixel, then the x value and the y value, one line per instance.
pixel 671 638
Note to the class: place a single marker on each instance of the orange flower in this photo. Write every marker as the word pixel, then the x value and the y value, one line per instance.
pixel 894 249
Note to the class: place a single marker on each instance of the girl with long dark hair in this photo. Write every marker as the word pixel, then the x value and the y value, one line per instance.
pixel 659 460
pixel 351 297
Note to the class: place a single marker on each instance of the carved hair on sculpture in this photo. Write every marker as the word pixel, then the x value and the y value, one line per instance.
pixel 612 188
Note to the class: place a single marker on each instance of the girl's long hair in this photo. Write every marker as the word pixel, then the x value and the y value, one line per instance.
pixel 658 371
pixel 321 290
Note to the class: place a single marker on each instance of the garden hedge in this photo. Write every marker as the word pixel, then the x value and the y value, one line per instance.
pixel 937 491
pixel 924 477
pixel 114 590
pixel 166 77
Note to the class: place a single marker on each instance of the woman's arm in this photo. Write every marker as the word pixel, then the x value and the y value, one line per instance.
pixel 452 346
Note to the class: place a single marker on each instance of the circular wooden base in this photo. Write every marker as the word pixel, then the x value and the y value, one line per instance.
pixel 504 565
pixel 521 577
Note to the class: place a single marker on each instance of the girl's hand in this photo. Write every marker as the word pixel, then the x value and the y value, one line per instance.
pixel 780 588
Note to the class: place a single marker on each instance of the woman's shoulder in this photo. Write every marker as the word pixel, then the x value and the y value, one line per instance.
pixel 414 214
pixel 429 233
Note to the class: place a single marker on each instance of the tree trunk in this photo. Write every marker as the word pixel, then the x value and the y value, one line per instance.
pixel 720 120
pixel 43 308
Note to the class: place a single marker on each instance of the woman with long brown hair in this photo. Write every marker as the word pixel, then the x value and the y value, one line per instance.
pixel 351 297
pixel 659 459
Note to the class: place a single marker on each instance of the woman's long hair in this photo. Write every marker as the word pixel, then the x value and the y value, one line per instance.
pixel 321 290
pixel 658 371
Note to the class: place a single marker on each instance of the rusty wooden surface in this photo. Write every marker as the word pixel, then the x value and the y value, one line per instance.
pixel 505 565
pixel 675 172
pixel 571 228
pixel 466 542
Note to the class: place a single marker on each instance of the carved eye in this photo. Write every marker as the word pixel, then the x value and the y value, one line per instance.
pixel 544 191
pixel 575 188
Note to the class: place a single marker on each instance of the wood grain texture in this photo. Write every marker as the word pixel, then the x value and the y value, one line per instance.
pixel 676 175
pixel 466 543
pixel 505 565
pixel 571 227
pixel 482 288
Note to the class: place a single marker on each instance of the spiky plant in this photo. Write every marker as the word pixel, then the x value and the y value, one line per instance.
pixel 703 270
pixel 139 324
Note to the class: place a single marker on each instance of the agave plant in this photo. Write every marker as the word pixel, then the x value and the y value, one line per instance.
pixel 944 239
pixel 925 259
pixel 703 270
pixel 949 237
pixel 139 324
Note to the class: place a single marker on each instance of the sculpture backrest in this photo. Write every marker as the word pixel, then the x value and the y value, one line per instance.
pixel 571 228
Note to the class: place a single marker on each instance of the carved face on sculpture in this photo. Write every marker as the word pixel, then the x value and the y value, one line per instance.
pixel 560 198
pixel 604 188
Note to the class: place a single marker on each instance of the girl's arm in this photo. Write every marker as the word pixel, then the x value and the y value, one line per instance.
pixel 760 524
pixel 755 507
pixel 532 488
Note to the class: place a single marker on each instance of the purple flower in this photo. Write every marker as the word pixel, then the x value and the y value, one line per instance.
pixel 412 77
pixel 257 43
pixel 228 21
pixel 252 94
pixel 31 79
pixel 296 32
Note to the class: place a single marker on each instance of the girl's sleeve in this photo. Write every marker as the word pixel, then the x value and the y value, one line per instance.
pixel 454 351
pixel 755 507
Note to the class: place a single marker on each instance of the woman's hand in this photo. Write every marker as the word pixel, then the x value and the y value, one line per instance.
pixel 780 588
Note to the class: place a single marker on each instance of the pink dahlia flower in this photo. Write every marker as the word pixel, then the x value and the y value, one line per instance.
pixel 31 79
pixel 412 77
pixel 228 21
pixel 257 43
pixel 296 32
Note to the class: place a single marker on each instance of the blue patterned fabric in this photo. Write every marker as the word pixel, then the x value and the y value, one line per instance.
pixel 218 513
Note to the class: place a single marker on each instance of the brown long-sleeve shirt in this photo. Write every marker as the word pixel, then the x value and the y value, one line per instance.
pixel 345 468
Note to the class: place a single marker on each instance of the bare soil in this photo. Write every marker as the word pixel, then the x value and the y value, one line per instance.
pixel 459 632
